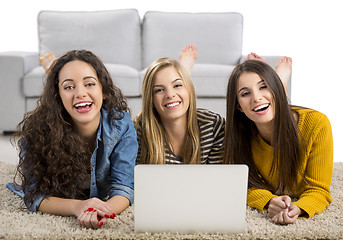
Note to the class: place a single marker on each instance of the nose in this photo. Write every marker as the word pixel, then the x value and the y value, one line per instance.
pixel 170 93
pixel 81 91
pixel 257 97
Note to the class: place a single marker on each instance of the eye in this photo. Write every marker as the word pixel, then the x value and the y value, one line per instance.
pixel 244 94
pixel 263 87
pixel 178 85
pixel 158 90
pixel 69 87
pixel 90 84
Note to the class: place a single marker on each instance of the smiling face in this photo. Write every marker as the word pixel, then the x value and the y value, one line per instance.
pixel 170 96
pixel 81 93
pixel 255 99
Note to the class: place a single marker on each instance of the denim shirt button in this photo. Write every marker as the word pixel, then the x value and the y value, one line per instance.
pixel 93 183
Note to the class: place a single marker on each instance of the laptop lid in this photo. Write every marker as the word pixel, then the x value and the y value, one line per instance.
pixel 190 198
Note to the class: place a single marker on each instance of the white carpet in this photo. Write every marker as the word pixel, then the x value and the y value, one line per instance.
pixel 21 224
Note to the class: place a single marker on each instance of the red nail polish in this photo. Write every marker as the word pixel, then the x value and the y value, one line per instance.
pixel 98 219
pixel 113 215
pixel 94 210
pixel 100 224
pixel 106 216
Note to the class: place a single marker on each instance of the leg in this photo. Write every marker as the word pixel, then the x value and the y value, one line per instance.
pixel 284 70
pixel 46 60
pixel 188 56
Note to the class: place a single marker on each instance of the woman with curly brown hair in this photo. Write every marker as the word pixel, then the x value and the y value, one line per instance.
pixel 78 147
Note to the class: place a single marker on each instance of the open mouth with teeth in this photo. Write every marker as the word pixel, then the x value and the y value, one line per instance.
pixel 261 108
pixel 83 107
pixel 172 105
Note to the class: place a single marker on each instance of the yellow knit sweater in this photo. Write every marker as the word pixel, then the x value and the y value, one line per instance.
pixel 316 166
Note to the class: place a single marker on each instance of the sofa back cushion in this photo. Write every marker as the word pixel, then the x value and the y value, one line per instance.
pixel 114 36
pixel 218 36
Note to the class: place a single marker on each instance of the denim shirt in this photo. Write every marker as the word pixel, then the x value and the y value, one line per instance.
pixel 112 162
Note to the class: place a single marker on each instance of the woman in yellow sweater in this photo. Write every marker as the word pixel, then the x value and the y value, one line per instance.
pixel 289 150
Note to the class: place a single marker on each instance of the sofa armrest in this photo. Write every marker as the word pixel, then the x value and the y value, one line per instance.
pixel 13 67
pixel 272 61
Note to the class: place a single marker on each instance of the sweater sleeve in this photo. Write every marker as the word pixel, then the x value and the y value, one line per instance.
pixel 258 198
pixel 318 174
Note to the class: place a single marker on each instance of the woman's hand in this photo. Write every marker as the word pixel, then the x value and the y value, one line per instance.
pixel 281 211
pixel 287 216
pixel 278 204
pixel 92 213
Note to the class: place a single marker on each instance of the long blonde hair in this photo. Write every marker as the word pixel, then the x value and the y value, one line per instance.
pixel 153 137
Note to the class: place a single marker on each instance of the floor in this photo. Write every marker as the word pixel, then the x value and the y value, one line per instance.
pixel 8 153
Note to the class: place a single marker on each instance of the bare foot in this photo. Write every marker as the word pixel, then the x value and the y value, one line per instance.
pixel 188 56
pixel 254 56
pixel 46 60
pixel 284 70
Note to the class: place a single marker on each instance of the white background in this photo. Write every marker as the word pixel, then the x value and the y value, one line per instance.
pixel 311 32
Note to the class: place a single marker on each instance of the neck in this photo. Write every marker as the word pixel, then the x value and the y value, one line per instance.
pixel 88 133
pixel 266 132
pixel 176 132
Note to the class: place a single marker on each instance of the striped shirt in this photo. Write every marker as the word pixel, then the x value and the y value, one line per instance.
pixel 212 129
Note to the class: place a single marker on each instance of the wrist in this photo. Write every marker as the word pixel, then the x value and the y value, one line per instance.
pixel 76 207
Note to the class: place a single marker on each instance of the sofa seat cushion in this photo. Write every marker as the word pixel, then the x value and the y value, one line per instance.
pixel 210 80
pixel 124 77
pixel 33 82
pixel 114 36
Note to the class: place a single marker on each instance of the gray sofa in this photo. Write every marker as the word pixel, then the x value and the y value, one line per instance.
pixel 127 45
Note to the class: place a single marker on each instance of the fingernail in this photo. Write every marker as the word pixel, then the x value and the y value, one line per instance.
pixel 94 210
pixel 100 224
pixel 106 216
pixel 90 209
pixel 98 219
pixel 113 215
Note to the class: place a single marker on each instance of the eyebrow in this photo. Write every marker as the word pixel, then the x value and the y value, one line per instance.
pixel 177 79
pixel 244 88
pixel 71 80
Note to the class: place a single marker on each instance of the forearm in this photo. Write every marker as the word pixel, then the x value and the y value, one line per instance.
pixel 259 198
pixel 60 206
pixel 118 203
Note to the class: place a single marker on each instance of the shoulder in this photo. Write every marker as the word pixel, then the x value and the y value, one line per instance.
pixel 312 121
pixel 207 116
pixel 210 123
pixel 310 116
pixel 120 126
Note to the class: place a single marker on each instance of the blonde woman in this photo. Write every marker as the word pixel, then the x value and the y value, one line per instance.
pixel 170 128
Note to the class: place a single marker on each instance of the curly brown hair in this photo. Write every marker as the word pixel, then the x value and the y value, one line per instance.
pixel 52 155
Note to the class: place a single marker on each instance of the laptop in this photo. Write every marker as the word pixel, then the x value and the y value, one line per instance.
pixel 190 198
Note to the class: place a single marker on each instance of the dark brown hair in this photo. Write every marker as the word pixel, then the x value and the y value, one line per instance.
pixel 241 131
pixel 52 155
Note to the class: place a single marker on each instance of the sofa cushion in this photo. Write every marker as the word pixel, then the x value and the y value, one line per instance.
pixel 114 36
pixel 210 80
pixel 218 36
pixel 33 82
pixel 124 77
